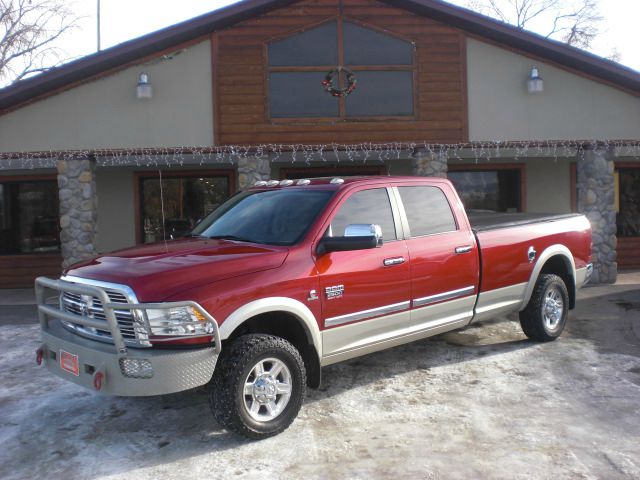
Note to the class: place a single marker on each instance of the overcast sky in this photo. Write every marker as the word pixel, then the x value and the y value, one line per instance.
pixel 126 19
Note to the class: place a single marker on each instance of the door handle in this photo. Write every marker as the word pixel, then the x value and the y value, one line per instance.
pixel 465 249
pixel 393 261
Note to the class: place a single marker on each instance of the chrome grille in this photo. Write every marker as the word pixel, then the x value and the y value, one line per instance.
pixel 132 330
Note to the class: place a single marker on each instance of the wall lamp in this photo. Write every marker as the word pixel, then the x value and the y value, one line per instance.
pixel 144 90
pixel 535 84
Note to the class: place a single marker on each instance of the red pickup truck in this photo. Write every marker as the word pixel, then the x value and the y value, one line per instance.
pixel 290 276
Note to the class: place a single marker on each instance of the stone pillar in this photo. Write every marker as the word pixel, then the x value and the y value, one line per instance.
pixel 251 170
pixel 78 209
pixel 426 164
pixel 595 183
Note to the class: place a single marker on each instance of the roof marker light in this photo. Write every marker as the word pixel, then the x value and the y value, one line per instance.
pixel 304 181
pixel 260 183
pixel 286 183
pixel 273 183
pixel 337 181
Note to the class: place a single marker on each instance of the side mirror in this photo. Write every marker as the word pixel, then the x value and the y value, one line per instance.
pixel 357 236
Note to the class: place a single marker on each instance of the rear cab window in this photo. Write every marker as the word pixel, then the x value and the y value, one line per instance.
pixel 427 209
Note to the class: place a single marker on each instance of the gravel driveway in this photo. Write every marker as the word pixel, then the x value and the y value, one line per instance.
pixel 478 403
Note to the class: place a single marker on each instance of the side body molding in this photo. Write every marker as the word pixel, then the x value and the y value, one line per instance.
pixel 274 304
pixel 549 252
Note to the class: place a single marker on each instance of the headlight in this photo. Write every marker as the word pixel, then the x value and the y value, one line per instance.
pixel 178 322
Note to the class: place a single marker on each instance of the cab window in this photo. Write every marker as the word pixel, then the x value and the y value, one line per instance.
pixel 368 207
pixel 428 210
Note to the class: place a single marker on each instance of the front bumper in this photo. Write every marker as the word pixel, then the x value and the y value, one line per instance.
pixel 114 368
pixel 173 370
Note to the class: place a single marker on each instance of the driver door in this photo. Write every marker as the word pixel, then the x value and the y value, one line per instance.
pixel 365 294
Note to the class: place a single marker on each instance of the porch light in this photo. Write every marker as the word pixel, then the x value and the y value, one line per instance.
pixel 144 90
pixel 535 84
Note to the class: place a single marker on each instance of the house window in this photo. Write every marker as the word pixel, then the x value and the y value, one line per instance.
pixel 497 189
pixel 29 216
pixel 383 66
pixel 628 202
pixel 186 199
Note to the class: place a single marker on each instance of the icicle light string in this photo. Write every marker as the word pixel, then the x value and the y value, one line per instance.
pixel 308 153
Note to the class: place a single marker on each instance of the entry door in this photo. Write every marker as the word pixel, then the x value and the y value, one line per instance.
pixel 628 217
pixel 444 259
pixel 365 293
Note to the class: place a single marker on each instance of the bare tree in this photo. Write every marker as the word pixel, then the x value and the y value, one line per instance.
pixel 575 22
pixel 29 30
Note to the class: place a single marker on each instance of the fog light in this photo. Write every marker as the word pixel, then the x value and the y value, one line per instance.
pixel 136 368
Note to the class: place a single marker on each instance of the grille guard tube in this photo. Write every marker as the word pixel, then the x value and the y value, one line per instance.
pixel 46 311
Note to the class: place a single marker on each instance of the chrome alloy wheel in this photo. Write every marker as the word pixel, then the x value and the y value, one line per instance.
pixel 552 308
pixel 267 389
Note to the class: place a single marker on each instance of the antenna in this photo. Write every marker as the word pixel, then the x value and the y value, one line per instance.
pixel 98 20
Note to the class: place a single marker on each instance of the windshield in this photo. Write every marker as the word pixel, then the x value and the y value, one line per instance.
pixel 273 217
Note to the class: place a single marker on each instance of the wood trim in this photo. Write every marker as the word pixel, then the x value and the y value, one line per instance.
pixel 28 178
pixel 464 86
pixel 138 175
pixel 215 105
pixel 499 166
pixel 627 164
pixel 573 186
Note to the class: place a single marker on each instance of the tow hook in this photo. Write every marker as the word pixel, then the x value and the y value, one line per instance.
pixel 99 378
pixel 40 354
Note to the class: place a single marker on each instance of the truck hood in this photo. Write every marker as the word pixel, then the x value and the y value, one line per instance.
pixel 161 270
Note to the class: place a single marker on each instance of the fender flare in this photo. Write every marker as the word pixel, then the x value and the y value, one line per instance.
pixel 275 304
pixel 551 251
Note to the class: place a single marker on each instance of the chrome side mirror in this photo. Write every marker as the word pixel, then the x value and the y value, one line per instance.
pixel 364 230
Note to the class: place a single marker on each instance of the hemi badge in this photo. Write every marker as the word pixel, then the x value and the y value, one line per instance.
pixel 334 292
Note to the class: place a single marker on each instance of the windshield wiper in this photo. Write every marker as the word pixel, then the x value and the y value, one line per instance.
pixel 232 237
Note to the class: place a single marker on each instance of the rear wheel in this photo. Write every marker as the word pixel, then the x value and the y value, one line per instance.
pixel 546 313
pixel 258 386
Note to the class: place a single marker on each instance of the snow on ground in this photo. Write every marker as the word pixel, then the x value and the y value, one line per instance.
pixel 479 403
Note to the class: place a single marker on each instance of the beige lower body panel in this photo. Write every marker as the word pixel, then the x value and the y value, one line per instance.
pixel 354 340
pixel 500 301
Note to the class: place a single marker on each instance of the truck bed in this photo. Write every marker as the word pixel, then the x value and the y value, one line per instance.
pixel 485 221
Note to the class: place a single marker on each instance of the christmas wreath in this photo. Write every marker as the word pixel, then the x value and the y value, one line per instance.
pixel 328 85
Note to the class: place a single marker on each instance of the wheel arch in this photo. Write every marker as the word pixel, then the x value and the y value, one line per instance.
pixel 286 318
pixel 556 259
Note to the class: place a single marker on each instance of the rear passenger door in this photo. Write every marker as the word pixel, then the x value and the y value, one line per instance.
pixel 444 256
pixel 364 293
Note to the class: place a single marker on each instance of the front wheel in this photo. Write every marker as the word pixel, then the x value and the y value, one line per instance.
pixel 258 386
pixel 546 313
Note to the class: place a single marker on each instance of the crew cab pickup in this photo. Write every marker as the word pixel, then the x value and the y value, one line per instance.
pixel 289 276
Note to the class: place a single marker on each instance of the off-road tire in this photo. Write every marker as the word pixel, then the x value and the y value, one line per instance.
pixel 226 389
pixel 532 318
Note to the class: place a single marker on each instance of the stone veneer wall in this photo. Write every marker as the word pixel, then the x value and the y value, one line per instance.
pixel 251 170
pixel 78 209
pixel 425 164
pixel 595 182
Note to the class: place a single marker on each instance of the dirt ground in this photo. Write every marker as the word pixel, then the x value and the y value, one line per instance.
pixel 479 403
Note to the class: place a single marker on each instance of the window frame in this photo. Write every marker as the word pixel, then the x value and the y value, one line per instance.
pixel 45 177
pixel 146 174
pixel 342 113
pixel 521 168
